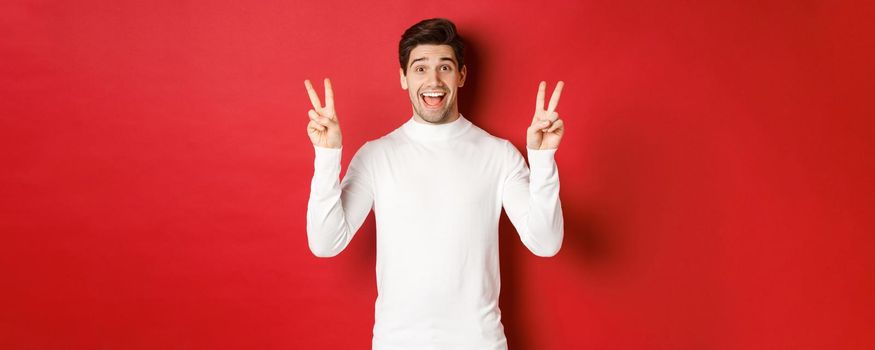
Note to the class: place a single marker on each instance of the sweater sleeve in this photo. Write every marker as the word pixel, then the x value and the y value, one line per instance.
pixel 531 200
pixel 336 209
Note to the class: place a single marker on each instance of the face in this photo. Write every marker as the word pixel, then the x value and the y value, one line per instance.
pixel 432 81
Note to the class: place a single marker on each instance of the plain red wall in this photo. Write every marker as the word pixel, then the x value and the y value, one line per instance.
pixel 717 172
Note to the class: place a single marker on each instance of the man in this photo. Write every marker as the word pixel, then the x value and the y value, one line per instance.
pixel 437 185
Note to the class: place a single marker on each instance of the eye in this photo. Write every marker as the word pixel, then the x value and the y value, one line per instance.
pixel 446 67
pixel 420 69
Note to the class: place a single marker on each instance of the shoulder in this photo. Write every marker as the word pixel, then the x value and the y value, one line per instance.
pixel 487 141
pixel 501 151
pixel 383 143
pixel 502 145
pixel 378 147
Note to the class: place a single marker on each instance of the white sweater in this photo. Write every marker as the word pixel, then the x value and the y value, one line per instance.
pixel 437 193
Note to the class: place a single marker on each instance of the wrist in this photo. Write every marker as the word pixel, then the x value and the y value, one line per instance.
pixel 541 158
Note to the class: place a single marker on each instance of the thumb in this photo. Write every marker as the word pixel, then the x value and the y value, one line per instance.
pixel 324 121
pixel 539 124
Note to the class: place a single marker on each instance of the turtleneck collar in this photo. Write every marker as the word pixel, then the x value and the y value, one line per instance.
pixel 431 132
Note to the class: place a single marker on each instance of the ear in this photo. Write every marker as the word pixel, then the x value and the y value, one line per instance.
pixel 464 73
pixel 403 78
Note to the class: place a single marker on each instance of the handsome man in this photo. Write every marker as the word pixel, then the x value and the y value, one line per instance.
pixel 437 185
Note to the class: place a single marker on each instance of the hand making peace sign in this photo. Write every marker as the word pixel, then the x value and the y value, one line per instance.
pixel 547 129
pixel 324 129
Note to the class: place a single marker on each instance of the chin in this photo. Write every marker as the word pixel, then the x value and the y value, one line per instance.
pixel 437 118
pixel 434 116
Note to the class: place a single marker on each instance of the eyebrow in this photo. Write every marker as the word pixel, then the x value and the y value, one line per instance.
pixel 442 59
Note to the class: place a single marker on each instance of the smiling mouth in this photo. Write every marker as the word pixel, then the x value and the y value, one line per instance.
pixel 433 99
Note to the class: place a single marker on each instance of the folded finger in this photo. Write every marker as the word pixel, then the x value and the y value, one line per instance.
pixel 313 115
pixel 544 124
pixel 325 121
pixel 316 126
pixel 556 125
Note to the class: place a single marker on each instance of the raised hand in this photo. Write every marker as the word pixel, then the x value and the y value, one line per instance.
pixel 546 129
pixel 323 129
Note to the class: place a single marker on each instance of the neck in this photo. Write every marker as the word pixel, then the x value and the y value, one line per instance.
pixel 426 131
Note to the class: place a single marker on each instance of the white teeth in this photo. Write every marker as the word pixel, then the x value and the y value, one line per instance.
pixel 433 94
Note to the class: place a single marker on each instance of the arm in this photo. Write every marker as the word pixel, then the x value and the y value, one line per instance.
pixel 336 210
pixel 531 200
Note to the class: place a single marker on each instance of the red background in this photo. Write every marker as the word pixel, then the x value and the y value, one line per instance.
pixel 716 172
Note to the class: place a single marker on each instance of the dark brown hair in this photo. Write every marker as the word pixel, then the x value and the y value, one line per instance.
pixel 435 31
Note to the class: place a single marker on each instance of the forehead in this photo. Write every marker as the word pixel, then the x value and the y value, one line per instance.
pixel 431 52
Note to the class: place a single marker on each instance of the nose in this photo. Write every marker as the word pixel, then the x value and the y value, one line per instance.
pixel 432 78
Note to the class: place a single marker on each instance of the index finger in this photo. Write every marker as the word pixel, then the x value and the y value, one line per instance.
pixel 554 100
pixel 539 103
pixel 329 94
pixel 314 98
